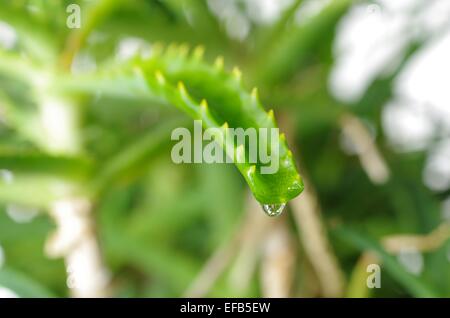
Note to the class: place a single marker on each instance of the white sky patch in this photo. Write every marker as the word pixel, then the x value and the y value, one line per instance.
pixel 368 42
pixel 266 11
pixel 131 46
pixel 371 39
pixel 437 168
pixel 237 26
pixel 236 22
pixel 425 82
pixel 435 16
pixel 399 5
pixel 407 125
pixel 309 9
pixel 426 79
pixel 8 36
pixel 238 15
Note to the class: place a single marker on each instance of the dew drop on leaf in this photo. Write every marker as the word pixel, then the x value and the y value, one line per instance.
pixel 273 209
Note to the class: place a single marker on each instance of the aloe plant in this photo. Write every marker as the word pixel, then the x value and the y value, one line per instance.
pixel 187 82
pixel 85 130
pixel 216 97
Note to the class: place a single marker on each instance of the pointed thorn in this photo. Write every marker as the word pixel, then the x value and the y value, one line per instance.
pixel 252 169
pixel 160 77
pixel 225 125
pixel 204 105
pixel 198 52
pixel 289 154
pixel 270 114
pixel 237 73
pixel 218 63
pixel 282 137
pixel 255 93
pixel 182 88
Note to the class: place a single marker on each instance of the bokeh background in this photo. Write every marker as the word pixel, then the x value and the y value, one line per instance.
pixel 92 205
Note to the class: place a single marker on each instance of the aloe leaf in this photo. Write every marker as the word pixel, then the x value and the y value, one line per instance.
pixel 218 98
pixel 208 93
pixel 35 162
pixel 92 15
pixel 23 285
pixel 32 172
pixel 36 38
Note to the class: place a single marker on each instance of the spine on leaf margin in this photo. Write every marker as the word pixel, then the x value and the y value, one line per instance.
pixel 217 97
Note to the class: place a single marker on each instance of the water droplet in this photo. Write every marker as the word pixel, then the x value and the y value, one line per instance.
pixel 273 209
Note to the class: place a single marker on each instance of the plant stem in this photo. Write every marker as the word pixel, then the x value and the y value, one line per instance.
pixel 76 241
pixel 75 237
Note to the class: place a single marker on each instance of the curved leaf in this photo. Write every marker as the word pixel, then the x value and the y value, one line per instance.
pixel 218 98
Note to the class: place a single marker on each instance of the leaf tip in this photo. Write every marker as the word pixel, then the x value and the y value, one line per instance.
pixel 237 73
pixel 160 77
pixel 204 105
pixel 218 63
pixel 255 93
pixel 181 88
pixel 199 51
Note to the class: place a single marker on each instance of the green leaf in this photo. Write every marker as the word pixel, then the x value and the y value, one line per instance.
pixel 208 93
pixel 219 99
pixel 299 43
pixel 41 163
pixel 22 285
pixel 135 155
pixel 52 177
